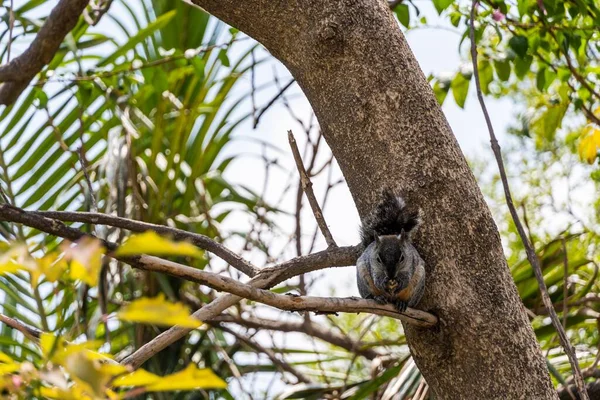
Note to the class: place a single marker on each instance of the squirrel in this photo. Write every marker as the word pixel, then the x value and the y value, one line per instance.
pixel 390 270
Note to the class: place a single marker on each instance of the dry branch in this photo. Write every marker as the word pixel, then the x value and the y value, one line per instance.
pixel 254 290
pixel 202 241
pixel 310 328
pixel 326 305
pixel 530 251
pixel 310 194
pixel 17 74
pixel 284 366
pixel 29 332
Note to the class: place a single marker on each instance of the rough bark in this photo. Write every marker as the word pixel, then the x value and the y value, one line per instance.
pixel 384 126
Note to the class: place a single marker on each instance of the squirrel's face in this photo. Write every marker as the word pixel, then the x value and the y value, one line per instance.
pixel 392 260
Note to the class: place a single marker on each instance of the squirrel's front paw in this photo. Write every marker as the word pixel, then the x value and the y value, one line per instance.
pixel 401 306
pixel 380 299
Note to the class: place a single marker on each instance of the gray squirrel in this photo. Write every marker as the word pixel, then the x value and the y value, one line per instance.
pixel 390 269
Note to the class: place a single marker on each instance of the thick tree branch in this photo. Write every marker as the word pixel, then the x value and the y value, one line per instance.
pixel 17 74
pixel 267 278
pixel 385 128
pixel 529 250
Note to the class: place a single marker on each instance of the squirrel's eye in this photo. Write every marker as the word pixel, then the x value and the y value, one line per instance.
pixel 401 257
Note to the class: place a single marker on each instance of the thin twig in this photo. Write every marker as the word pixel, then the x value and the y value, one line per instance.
pixel 565 309
pixel 11 27
pixel 531 255
pixel 29 332
pixel 312 329
pixel 273 100
pixel 310 194
pixel 268 352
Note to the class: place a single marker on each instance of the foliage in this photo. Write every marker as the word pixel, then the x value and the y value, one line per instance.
pixel 544 53
pixel 132 117
pixel 55 368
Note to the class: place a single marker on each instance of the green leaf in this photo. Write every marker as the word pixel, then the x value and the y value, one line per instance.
pixel 403 14
pixel 502 69
pixel 519 44
pixel 455 19
pixel 224 58
pixel 460 89
pixel 486 75
pixel 373 385
pixel 441 5
pixel 540 79
pixel 139 37
pixel 523 66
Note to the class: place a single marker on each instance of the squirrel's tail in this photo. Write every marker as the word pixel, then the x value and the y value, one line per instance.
pixel 390 217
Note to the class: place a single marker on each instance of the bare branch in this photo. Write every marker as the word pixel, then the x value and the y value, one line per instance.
pixel 531 255
pixel 254 290
pixel 310 328
pixel 310 194
pixel 273 100
pixel 202 241
pixel 29 332
pixel 17 74
pixel 326 305
pixel 268 352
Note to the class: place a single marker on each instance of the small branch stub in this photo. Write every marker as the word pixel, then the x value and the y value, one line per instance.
pixel 310 194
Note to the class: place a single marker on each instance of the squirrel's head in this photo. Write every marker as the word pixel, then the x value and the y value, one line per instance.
pixel 394 258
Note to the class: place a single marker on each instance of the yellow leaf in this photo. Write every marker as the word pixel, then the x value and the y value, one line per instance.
pixel 57 349
pixel 151 243
pixel 8 368
pixel 52 266
pixel 139 377
pixel 590 143
pixel 5 358
pixel 16 258
pixel 191 378
pixel 7 364
pixel 85 259
pixel 72 393
pixel 158 311
pixel 87 373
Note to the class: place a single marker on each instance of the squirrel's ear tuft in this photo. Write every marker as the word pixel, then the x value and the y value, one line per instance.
pixel 377 239
pixel 402 235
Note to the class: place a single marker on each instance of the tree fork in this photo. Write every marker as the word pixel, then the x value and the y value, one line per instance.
pixel 385 128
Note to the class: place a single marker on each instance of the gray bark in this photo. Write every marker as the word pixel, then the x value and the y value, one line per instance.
pixel 384 126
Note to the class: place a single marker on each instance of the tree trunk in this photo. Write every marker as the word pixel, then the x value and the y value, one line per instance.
pixel 385 127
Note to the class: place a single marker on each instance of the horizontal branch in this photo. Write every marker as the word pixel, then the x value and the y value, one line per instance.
pixel 284 366
pixel 254 290
pixel 328 305
pixel 32 334
pixel 17 74
pixel 310 328
pixel 202 241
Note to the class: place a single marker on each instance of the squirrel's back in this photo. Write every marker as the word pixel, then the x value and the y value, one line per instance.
pixel 391 216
